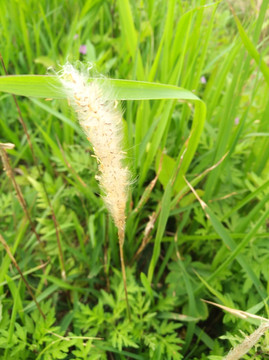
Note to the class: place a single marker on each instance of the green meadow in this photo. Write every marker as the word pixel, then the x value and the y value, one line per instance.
pixel 191 78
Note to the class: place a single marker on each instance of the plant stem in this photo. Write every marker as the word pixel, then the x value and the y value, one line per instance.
pixel 121 241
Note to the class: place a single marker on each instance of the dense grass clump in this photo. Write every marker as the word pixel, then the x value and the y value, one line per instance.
pixel 193 209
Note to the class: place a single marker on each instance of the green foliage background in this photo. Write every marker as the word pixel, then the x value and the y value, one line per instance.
pixel 218 251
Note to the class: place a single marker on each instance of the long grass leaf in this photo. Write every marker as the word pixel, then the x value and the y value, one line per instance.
pixel 250 47
pixel 165 210
pixel 49 87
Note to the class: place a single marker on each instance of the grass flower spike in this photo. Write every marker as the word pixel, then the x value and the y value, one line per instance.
pixel 101 122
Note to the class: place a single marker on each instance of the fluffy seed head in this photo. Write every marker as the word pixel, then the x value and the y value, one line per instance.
pixel 101 122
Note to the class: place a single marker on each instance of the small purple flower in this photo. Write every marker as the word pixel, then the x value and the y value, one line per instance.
pixel 83 49
pixel 236 120
pixel 203 80
pixel 75 36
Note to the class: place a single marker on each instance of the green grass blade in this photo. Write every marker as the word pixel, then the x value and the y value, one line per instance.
pixel 250 47
pixel 32 85
pixel 130 36
pixel 189 148
pixel 164 214
pixel 49 87
pixel 246 200
pixel 46 293
pixel 15 291
pixel 231 244
pixel 57 114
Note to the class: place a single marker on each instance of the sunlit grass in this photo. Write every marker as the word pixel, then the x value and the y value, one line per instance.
pixel 196 136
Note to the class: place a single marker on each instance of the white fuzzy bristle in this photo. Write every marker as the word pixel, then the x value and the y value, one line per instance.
pixel 101 123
